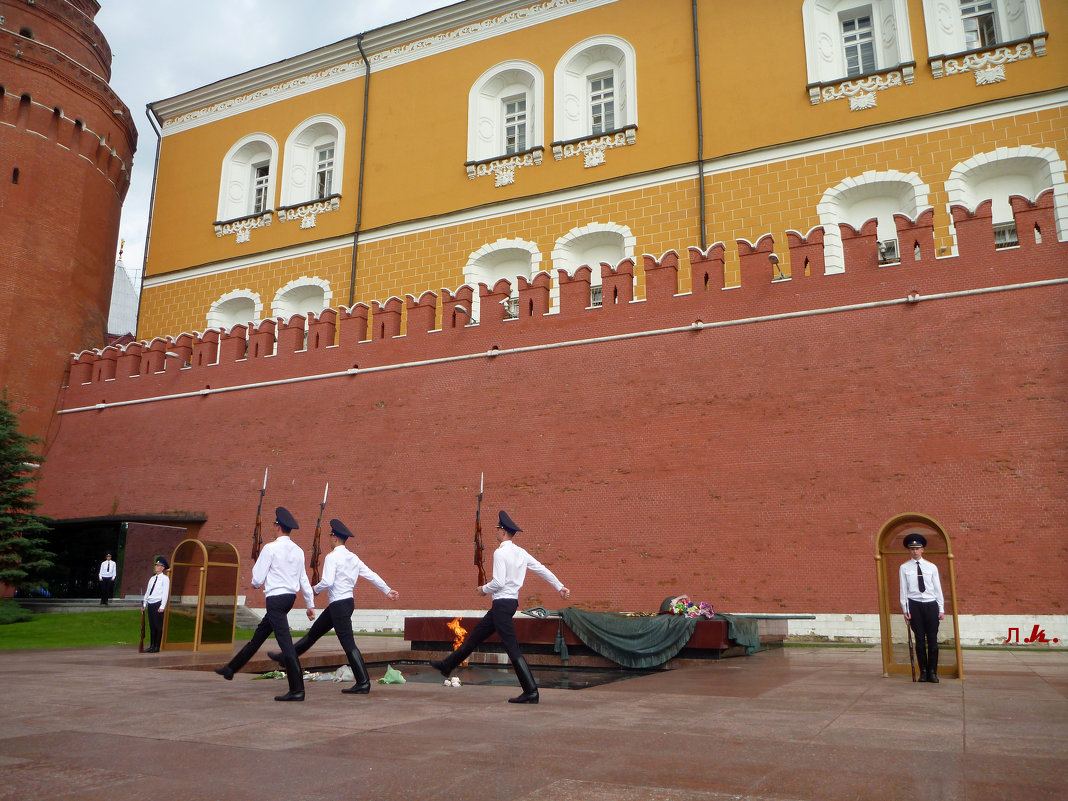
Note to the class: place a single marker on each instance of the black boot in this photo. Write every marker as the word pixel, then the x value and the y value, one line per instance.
pixel 448 664
pixel 932 674
pixel 526 681
pixel 295 676
pixel 359 672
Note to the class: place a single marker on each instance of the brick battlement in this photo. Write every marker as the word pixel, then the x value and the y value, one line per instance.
pixel 347 340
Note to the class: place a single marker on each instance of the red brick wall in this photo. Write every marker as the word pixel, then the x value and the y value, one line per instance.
pixel 750 465
pixel 59 224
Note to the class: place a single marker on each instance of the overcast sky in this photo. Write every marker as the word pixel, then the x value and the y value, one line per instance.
pixel 162 48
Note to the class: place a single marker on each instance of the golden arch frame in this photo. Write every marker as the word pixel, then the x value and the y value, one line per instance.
pixel 889 554
pixel 201 613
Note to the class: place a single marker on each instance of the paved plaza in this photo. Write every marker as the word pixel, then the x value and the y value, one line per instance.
pixel 790 724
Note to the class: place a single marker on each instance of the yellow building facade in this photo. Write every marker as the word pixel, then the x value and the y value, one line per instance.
pixel 495 139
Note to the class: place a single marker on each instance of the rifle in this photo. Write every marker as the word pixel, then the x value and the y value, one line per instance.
pixel 478 535
pixel 316 551
pixel 912 652
pixel 257 537
pixel 141 645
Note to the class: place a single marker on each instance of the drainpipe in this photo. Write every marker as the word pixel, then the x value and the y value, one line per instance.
pixel 359 184
pixel 700 125
pixel 151 209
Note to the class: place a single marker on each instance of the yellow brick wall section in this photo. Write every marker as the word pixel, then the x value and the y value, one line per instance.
pixel 745 203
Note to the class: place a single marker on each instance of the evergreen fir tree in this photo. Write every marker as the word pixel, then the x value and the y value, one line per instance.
pixel 24 555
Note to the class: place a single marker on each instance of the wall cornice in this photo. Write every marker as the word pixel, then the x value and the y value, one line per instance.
pixel 389 46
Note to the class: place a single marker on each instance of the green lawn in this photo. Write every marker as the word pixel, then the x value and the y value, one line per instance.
pixel 80 630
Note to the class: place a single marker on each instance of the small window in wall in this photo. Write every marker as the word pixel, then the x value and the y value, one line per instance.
pixel 247 185
pixel 261 180
pixel 234 308
pixel 515 124
pixel 980 29
pixel 857 45
pixel 602 103
pixel 505 258
pixel 324 171
pixel 302 296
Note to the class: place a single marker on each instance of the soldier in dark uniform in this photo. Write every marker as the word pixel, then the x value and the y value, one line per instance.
pixel 280 571
pixel 341 570
pixel 510 565
pixel 923 604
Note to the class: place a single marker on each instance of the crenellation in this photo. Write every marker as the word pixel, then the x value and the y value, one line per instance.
pixel 348 327
pixel 661 277
pixel 806 253
pixel 617 285
pixel 575 291
pixel 534 295
pixel 861 246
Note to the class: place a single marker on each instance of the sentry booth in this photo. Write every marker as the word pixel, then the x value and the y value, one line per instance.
pixel 890 554
pixel 202 611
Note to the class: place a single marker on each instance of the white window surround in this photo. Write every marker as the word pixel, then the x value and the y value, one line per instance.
pixel 1016 20
pixel 589 58
pixel 825 52
pixel 485 114
pixel 299 159
pixel 1015 170
pixel 300 296
pixel 590 245
pixel 238 307
pixel 505 258
pixel 855 196
pixel 236 184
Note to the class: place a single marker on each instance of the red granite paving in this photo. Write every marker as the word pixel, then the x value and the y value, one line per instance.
pixel 794 724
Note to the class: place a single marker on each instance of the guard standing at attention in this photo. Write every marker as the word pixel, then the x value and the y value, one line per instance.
pixel 923 604
pixel 510 566
pixel 155 603
pixel 280 572
pixel 106 577
pixel 341 570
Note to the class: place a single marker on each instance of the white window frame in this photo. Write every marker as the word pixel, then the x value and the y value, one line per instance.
pixel 219 318
pixel 568 252
pixel 284 306
pixel 861 40
pixel 589 59
pixel 835 207
pixel 483 266
pixel 238 187
pixel 515 126
pixel 1013 19
pixel 300 163
pixel 602 102
pixel 324 170
pixel 486 118
pixel 973 14
pixel 824 46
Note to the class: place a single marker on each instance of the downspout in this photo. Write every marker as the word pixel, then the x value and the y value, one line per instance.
pixel 151 209
pixel 700 125
pixel 359 184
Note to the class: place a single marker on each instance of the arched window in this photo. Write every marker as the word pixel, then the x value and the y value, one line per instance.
pixel 237 307
pixel 590 245
pixel 595 89
pixel 314 161
pixel 301 296
pixel 1027 171
pixel 956 26
pixel 505 111
pixel 505 258
pixel 247 187
pixel 856 200
pixel 847 38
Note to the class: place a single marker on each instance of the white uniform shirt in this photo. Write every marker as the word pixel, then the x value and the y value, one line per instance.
pixel 107 569
pixel 280 570
pixel 341 570
pixel 510 566
pixel 159 589
pixel 910 584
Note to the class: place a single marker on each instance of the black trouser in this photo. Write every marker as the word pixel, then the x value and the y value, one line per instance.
pixel 337 616
pixel 107 585
pixel 275 621
pixel 498 619
pixel 155 624
pixel 923 618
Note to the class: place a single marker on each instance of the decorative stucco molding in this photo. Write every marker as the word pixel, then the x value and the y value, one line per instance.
pixel 307 212
pixel 593 150
pixel 241 228
pixel 503 170
pixel 861 91
pixel 988 66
